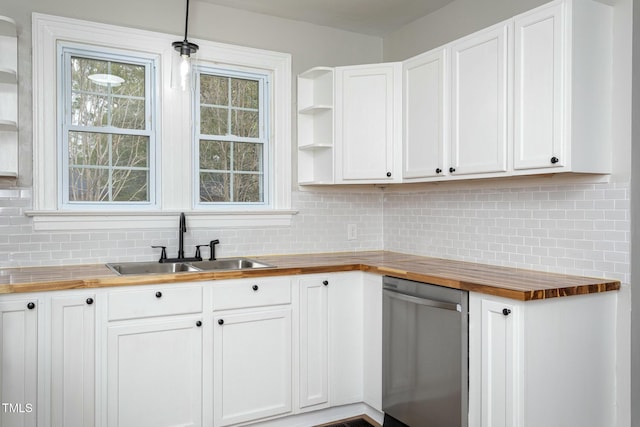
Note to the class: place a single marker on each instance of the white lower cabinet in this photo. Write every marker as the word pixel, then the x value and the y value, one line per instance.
pixel 252 350
pixel 73 357
pixel 542 363
pixel 18 361
pixel 154 365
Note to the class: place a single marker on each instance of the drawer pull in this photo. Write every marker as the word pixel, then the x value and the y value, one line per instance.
pixel 158 294
pixel 220 321
pixel 325 282
pixel 89 301
pixel 198 323
pixel 255 287
pixel 506 311
pixel 31 306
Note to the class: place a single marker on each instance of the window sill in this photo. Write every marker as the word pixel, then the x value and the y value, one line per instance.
pixel 119 220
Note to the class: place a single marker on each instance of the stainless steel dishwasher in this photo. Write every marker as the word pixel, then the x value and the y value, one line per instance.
pixel 425 355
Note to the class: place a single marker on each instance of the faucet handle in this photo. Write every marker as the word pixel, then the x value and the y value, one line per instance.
pixel 163 254
pixel 197 255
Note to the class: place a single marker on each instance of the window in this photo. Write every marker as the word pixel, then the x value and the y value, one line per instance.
pixel 123 157
pixel 232 148
pixel 108 140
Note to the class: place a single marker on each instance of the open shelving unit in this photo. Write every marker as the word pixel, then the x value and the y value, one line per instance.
pixel 315 126
pixel 8 98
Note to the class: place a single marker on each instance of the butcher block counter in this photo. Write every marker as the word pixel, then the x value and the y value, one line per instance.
pixel 518 284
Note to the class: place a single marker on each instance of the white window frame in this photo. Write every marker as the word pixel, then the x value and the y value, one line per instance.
pixel 65 51
pixel 176 151
pixel 263 81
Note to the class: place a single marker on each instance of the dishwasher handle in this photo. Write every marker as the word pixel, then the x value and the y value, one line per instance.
pixel 424 301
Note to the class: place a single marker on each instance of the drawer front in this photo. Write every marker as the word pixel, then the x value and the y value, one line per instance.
pixel 257 292
pixel 154 301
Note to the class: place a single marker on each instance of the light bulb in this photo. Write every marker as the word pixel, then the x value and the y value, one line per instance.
pixel 185 70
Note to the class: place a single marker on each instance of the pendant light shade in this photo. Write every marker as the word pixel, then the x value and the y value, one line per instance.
pixel 185 48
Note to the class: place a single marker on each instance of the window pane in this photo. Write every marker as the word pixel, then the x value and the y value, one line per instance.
pixel 214 90
pixel 130 185
pixel 214 187
pixel 88 184
pixel 247 188
pixel 244 93
pixel 130 150
pixel 89 109
pixel 213 121
pixel 128 113
pixel 215 155
pixel 245 123
pixel 81 69
pixel 134 79
pixel 247 157
pixel 88 149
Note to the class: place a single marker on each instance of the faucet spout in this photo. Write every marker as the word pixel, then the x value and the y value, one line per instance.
pixel 182 228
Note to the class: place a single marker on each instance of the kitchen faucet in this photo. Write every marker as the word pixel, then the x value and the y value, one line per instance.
pixel 182 228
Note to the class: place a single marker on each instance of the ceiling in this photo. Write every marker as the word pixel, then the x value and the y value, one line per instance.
pixel 373 17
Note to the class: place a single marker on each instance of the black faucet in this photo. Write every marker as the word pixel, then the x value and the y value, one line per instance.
pixel 182 228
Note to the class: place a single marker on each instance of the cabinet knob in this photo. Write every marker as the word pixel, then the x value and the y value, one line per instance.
pixel 388 174
pixel 158 294
pixel 554 160
pixel 220 321
pixel 325 282
pixel 255 287
pixel 506 311
pixel 198 323
pixel 89 301
pixel 31 306
pixel 438 170
pixel 452 170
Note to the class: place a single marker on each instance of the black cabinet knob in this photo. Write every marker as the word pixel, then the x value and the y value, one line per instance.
pixel 89 301
pixel 158 294
pixel 255 287
pixel 438 170
pixel 198 323
pixel 554 160
pixel 31 306
pixel 452 170
pixel 325 282
pixel 388 174
pixel 220 321
pixel 506 311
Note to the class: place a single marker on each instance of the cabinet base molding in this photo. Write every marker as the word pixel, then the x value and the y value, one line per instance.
pixel 324 416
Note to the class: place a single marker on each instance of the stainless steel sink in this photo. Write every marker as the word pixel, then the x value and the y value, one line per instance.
pixel 230 264
pixel 123 268
pixel 150 267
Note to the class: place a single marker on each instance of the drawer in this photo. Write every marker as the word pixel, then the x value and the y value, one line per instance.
pixel 251 293
pixel 154 301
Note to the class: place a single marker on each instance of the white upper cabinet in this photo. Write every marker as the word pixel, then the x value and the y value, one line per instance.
pixel 479 100
pixel 368 127
pixel 8 98
pixel 562 88
pixel 425 83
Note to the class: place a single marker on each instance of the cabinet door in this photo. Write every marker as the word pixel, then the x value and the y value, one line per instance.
pixel 313 342
pixel 499 372
pixel 345 339
pixel 18 362
pixel 424 115
pixel 479 83
pixel 251 366
pixel 538 85
pixel 154 374
pixel 367 122
pixel 73 361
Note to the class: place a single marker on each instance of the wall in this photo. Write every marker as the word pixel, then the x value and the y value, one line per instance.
pixel 320 225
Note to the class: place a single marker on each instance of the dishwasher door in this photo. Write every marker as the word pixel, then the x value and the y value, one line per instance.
pixel 425 357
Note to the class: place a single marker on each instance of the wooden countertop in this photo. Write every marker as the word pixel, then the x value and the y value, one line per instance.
pixel 519 284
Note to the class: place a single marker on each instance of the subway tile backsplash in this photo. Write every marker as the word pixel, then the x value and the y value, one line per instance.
pixel 572 228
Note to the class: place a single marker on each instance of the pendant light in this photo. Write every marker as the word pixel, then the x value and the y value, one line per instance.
pixel 186 49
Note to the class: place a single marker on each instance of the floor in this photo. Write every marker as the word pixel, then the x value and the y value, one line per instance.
pixel 360 421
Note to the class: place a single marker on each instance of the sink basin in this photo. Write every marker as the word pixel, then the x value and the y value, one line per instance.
pixel 123 268
pixel 230 264
pixel 150 267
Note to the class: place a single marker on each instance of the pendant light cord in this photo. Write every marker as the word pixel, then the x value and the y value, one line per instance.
pixel 186 22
